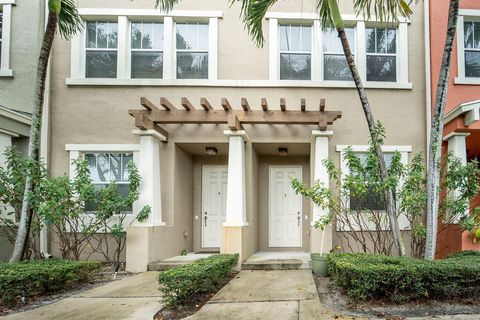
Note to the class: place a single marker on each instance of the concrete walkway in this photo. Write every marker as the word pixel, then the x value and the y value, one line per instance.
pixel 286 294
pixel 135 297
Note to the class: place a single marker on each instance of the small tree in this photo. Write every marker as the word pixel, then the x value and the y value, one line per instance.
pixel 62 207
pixel 12 186
pixel 113 209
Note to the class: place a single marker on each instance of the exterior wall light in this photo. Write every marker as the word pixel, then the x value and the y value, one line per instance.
pixel 283 151
pixel 211 151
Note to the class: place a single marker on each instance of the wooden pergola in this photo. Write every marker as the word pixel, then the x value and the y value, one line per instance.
pixel 152 116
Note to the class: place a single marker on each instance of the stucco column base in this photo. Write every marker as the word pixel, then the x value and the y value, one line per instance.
pixel 233 242
pixel 139 242
pixel 316 239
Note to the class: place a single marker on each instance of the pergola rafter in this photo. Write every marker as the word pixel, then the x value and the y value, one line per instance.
pixel 151 117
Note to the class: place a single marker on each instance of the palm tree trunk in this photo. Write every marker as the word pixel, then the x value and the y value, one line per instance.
pixel 391 210
pixel 436 133
pixel 34 142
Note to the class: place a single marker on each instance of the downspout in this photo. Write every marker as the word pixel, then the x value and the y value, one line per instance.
pixel 428 76
pixel 44 141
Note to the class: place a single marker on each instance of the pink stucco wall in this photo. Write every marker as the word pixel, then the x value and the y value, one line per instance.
pixel 452 239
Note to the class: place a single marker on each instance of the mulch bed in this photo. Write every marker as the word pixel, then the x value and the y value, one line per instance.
pixel 195 303
pixel 104 277
pixel 333 298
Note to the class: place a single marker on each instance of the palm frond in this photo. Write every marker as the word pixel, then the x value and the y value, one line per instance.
pixel 69 21
pixel 384 10
pixel 165 5
pixel 253 12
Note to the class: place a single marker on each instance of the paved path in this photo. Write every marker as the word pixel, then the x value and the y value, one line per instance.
pixel 287 294
pixel 135 297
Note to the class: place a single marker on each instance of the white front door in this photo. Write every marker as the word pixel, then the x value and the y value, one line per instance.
pixel 214 202
pixel 285 208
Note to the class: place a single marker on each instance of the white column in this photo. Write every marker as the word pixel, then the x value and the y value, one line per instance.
pixel 236 214
pixel 458 147
pixel 320 173
pixel 149 170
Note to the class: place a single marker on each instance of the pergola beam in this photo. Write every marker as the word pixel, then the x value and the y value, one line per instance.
pixel 205 104
pixel 147 104
pixel 264 104
pixel 245 105
pixel 187 104
pixel 144 123
pixel 283 104
pixel 303 104
pixel 226 105
pixel 322 105
pixel 167 105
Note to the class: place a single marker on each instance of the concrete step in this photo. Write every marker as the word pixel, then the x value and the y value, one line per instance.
pixel 276 264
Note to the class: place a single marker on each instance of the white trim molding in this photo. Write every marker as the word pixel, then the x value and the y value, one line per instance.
pixel 124 17
pixel 364 148
pixel 470 109
pixel 6 8
pixel 102 147
pixel 14 115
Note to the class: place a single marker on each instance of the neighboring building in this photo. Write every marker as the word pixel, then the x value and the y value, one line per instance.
pixel 213 186
pixel 461 133
pixel 19 47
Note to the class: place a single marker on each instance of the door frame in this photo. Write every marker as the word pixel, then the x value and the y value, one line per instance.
pixel 270 206
pixel 205 167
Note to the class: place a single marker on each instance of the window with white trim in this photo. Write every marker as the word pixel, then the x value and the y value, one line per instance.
pixel 335 66
pixel 101 49
pixel 1 36
pixel 471 35
pixel 5 30
pixel 146 51
pixel 381 49
pixel 295 52
pixel 106 168
pixel 192 44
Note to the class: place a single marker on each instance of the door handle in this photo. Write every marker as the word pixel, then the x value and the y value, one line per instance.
pixel 298 218
pixel 205 218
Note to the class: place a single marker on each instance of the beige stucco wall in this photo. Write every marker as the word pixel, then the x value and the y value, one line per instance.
pixel 99 114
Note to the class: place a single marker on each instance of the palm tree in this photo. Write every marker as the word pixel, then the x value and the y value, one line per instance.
pixel 435 148
pixel 64 15
pixel 254 11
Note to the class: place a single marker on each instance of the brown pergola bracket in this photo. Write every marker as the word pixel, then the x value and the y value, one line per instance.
pixel 150 117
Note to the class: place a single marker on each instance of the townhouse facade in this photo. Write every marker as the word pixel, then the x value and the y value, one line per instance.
pixel 19 47
pixel 224 124
pixel 461 134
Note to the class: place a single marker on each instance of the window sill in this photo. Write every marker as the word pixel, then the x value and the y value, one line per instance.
pixel 7 73
pixel 234 83
pixel 470 81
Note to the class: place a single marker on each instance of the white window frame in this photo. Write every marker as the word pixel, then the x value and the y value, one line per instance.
pixel 279 51
pixel 124 18
pixel 96 45
pixel 277 18
pixel 6 8
pixel 352 47
pixel 130 49
pixel 464 14
pixel 345 170
pixel 77 151
pixel 382 54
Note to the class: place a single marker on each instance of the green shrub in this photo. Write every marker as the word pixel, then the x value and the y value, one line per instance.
pixel 401 279
pixel 26 279
pixel 179 284
pixel 462 254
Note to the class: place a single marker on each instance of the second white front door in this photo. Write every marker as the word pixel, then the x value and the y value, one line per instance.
pixel 285 208
pixel 214 201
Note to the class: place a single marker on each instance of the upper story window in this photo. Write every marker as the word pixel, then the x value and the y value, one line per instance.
pixel 335 65
pixel 1 27
pixel 106 168
pixel 381 48
pixel 147 50
pixel 101 49
pixel 295 52
pixel 471 31
pixel 192 46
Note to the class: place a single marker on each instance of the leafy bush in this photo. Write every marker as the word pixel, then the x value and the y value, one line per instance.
pixel 463 254
pixel 401 279
pixel 27 279
pixel 179 284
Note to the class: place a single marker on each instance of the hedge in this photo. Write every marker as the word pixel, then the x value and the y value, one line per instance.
pixel 27 279
pixel 203 275
pixel 401 279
